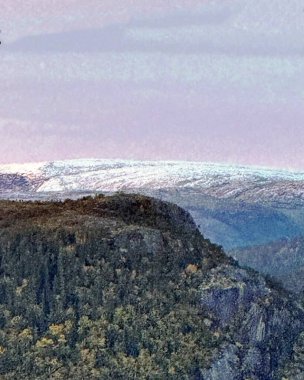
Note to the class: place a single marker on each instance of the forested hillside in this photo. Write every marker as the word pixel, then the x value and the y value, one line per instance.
pixel 283 260
pixel 125 287
pixel 102 288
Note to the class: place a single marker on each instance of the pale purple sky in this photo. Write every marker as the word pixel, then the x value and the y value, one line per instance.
pixel 208 80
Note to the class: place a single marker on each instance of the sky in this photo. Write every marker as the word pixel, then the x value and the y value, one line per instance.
pixel 209 80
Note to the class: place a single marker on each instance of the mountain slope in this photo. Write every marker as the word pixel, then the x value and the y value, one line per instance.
pixel 235 206
pixel 283 260
pixel 221 181
pixel 125 286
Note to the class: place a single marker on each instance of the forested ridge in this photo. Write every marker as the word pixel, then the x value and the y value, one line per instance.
pixel 104 287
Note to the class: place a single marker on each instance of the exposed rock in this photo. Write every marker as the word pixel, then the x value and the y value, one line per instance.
pixel 17 182
pixel 226 367
pixel 255 324
pixel 261 323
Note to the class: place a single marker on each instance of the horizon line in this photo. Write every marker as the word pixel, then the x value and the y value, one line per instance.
pixel 160 161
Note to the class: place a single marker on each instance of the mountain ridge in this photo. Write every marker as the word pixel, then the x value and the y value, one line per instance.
pixel 244 183
pixel 235 206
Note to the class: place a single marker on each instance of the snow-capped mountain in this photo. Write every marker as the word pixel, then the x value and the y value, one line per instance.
pixel 237 207
pixel 250 184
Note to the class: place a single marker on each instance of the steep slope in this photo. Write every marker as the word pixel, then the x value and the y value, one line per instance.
pixel 234 224
pixel 125 286
pixel 283 260
pixel 294 369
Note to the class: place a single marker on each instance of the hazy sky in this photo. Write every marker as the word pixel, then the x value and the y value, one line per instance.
pixel 208 80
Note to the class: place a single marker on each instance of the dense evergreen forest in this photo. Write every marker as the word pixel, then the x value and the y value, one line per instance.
pixel 103 288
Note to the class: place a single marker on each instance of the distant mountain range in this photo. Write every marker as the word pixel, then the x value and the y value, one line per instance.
pixel 244 209
pixel 283 260
pixel 240 183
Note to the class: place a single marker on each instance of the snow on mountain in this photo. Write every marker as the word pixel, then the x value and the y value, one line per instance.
pixel 218 180
pixel 235 206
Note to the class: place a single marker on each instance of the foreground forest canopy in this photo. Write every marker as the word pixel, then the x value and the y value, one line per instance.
pixel 126 287
pixel 104 287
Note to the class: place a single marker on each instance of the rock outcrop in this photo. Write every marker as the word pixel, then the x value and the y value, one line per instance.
pixel 261 323
pixel 92 260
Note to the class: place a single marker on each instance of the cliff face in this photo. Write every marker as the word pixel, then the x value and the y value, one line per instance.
pixel 262 323
pixel 126 287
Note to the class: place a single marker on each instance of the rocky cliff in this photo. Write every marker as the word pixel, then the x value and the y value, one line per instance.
pixel 261 323
pixel 126 287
